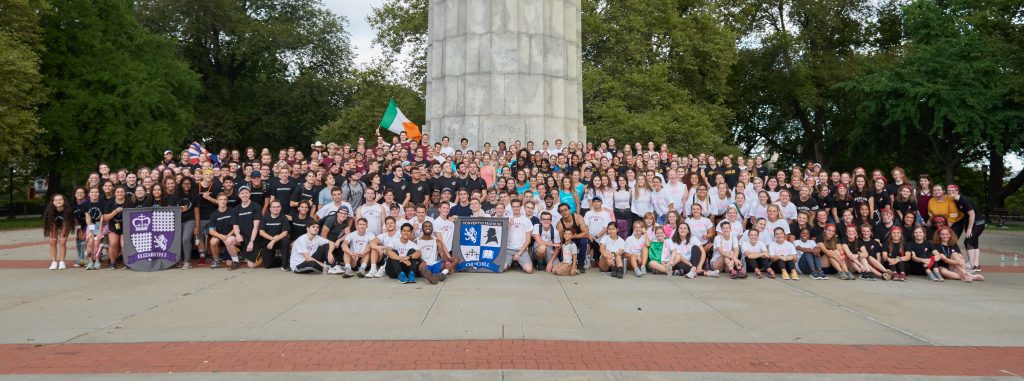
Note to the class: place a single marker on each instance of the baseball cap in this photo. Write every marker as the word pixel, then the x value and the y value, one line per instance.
pixel 244 188
pixel 256 174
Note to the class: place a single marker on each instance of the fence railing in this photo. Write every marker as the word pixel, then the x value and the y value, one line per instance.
pixel 1000 216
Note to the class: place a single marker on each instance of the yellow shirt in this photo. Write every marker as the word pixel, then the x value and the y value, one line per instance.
pixel 946 209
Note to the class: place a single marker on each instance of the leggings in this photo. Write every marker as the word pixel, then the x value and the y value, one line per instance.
pixel 396 267
pixel 809 263
pixel 786 265
pixel 624 222
pixel 900 267
pixel 312 266
pixel 759 263
pixel 694 260
pixel 976 230
pixel 187 239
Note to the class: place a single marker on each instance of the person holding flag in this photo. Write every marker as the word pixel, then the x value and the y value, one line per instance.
pixel 395 121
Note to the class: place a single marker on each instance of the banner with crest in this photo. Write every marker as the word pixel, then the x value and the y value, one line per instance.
pixel 480 243
pixel 151 238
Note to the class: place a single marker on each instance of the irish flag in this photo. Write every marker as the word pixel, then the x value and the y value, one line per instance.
pixel 396 122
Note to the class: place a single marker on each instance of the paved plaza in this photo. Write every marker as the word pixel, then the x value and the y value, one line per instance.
pixel 255 324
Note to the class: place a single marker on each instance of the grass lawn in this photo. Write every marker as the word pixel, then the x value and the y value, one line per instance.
pixel 21 223
pixel 1008 227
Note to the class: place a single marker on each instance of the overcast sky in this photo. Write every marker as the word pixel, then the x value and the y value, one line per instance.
pixel 361 32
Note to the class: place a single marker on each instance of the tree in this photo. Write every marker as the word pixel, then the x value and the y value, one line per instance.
pixel 21 84
pixel 657 71
pixel 792 55
pixel 401 27
pixel 950 90
pixel 119 93
pixel 272 70
pixel 362 113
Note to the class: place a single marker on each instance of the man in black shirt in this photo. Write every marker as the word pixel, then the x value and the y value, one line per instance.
pixel 474 182
pixel 281 190
pixel 398 185
pixel 418 188
pixel 246 218
pixel 273 237
pixel 221 231
pixel 257 189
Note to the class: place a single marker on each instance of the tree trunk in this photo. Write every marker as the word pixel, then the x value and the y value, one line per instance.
pixel 996 173
pixel 53 179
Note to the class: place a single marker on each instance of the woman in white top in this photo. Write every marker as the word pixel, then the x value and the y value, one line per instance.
pixel 810 255
pixel 782 252
pixel 759 207
pixel 722 201
pixel 641 198
pixel 775 220
pixel 732 216
pixel 687 253
pixel 702 227
pixel 727 253
pixel 786 208
pixel 703 199
pixel 756 253
pixel 623 200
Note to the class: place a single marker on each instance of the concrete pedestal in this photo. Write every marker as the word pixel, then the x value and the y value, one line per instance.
pixel 504 70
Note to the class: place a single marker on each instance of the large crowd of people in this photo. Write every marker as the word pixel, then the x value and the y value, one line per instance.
pixel 388 208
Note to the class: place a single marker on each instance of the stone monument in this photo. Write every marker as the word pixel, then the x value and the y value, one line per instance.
pixel 504 70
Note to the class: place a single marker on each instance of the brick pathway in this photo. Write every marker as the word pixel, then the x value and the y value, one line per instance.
pixel 311 356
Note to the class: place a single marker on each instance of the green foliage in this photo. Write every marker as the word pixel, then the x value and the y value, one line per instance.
pixel 647 78
pixel 272 70
pixel 401 27
pixel 362 113
pixel 119 93
pixel 21 84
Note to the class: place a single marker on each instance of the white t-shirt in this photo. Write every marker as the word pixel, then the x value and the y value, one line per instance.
pixel 612 244
pixel 428 250
pixel 304 244
pixel 569 251
pixel 676 195
pixel 330 207
pixel 769 228
pixel 374 215
pixel 808 244
pixel 387 240
pixel 723 243
pixel 735 229
pixel 597 220
pixel 682 248
pixel 659 201
pixel 518 229
pixel 635 245
pixel 788 211
pixel 358 243
pixel 446 229
pixel 402 249
pixel 550 236
pixel 785 248
pixel 699 228
pixel 756 247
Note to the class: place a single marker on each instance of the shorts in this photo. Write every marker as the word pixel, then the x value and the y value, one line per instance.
pixel 523 259
pixel 436 268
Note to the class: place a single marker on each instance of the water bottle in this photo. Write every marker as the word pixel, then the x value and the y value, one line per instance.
pixel 1002 261
pixel 1016 260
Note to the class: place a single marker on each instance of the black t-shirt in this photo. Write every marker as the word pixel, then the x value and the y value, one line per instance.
pixel 94 210
pixel 116 223
pixel 966 205
pixel 826 202
pixel 258 193
pixel 921 250
pixel 881 232
pixel 461 211
pixel 399 187
pixel 872 246
pixel 860 197
pixel 221 221
pixel 476 184
pixel 274 225
pixel 188 202
pixel 710 172
pixel 282 191
pixel 732 175
pixel 842 205
pixel 301 193
pixel 896 251
pixel 245 215
pixel 336 229
pixel 298 225
pixel 79 213
pixel 805 206
pixel 761 171
pixel 206 207
pixel 882 199
pixel 418 191
pixel 905 207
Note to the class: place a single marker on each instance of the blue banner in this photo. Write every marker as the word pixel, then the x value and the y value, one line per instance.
pixel 480 244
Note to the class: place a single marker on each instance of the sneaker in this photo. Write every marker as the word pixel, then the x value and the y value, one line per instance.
pixel 215 264
pixel 638 273
pixel 785 275
pixel 939 277
pixel 186 266
pixel 931 275
pixel 887 275
pixel 692 274
pixel 76 264
pixel 643 270
pixel 234 265
pixel 348 273
pixel 53 265
pixel 380 272
pixel 771 274
pixel 620 272
pixel 714 273
pixel 443 277
pixel 334 270
pixel 361 273
pixel 732 274
pixel 402 279
pixel 411 277
pixel 822 276
pixel 871 277
pixel 113 265
pixel 286 268
pixel 978 277
pixel 432 279
pixel 742 273
pixel 61 265
pixel 793 275
pixel 202 260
